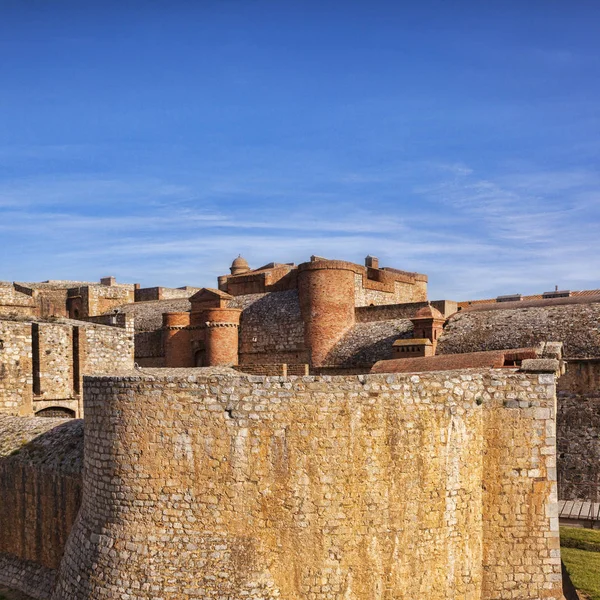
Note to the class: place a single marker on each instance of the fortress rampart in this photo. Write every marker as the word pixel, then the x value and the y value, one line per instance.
pixel 206 485
pixel 372 285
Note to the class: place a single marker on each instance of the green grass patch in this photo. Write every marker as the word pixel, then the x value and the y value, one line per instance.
pixel 584 569
pixel 580 551
pixel 578 537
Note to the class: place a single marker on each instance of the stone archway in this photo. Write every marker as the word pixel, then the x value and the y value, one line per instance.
pixel 60 412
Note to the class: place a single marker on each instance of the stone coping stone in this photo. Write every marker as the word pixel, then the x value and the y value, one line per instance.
pixel 203 374
pixel 540 365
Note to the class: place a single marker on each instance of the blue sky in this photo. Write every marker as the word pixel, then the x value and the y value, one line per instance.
pixel 155 141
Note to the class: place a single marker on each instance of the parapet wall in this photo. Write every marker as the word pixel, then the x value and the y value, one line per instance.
pixel 205 485
pixel 14 302
pixel 386 312
pixel 163 293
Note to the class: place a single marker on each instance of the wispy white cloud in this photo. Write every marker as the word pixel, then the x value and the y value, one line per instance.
pixel 473 235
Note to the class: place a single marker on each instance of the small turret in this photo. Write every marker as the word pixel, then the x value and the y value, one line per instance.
pixel 239 265
pixel 428 324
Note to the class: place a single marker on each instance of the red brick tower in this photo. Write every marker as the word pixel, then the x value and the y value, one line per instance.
pixel 428 323
pixel 176 340
pixel 215 328
pixel 326 291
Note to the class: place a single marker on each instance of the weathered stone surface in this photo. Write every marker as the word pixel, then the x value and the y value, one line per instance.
pixel 15 302
pixel 578 431
pixel 271 328
pixel 40 495
pixel 197 485
pixel 42 361
pixel 28 577
pixel 366 343
pixel 576 325
pixel 541 365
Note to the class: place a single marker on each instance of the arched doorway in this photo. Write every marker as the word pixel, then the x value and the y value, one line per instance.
pixel 56 412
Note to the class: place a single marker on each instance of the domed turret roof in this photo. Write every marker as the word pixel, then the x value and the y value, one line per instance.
pixel 239 265
pixel 428 312
pixel 240 261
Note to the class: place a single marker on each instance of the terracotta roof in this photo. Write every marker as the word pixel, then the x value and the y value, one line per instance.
pixel 494 359
pixel 429 312
pixel 580 294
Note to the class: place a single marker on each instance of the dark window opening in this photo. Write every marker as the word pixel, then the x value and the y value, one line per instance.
pixel 35 362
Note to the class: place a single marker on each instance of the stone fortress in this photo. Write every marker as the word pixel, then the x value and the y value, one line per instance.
pixel 319 431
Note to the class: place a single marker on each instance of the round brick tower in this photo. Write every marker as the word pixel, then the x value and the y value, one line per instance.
pixel 326 291
pixel 176 340
pixel 220 335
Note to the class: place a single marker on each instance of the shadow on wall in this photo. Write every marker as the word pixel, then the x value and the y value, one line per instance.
pixel 272 323
pixel 40 493
pixel 367 343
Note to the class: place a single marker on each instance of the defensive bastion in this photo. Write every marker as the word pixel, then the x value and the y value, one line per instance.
pixel 201 483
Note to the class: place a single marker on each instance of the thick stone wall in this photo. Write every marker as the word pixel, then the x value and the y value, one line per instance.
pixel 198 485
pixel 367 343
pixel 375 293
pixel 280 370
pixel 42 363
pixel 271 329
pixel 521 543
pixel 578 425
pixel 55 379
pixel 40 495
pixel 51 302
pixel 106 349
pixel 573 324
pixel 102 298
pixel 368 314
pixel 13 302
pixel 163 293
pixel 16 368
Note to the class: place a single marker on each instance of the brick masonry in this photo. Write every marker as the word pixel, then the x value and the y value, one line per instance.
pixel 206 485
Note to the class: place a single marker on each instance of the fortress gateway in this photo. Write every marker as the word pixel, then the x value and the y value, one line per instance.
pixel 312 432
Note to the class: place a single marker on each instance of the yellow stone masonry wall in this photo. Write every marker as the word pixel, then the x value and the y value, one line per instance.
pixel 199 485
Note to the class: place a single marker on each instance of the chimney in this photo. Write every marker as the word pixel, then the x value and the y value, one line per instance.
pixel 372 262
